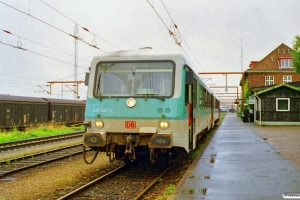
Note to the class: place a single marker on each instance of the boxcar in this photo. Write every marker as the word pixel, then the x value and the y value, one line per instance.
pixel 66 111
pixel 18 111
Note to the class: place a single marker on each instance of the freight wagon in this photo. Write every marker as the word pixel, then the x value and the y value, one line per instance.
pixel 20 111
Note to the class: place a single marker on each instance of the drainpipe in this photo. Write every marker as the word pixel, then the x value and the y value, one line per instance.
pixel 259 105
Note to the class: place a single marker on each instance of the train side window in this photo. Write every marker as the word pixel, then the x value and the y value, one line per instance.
pixel 195 93
pixel 202 97
pixel 188 81
pixel 189 78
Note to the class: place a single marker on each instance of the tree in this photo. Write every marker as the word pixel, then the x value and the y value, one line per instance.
pixel 296 54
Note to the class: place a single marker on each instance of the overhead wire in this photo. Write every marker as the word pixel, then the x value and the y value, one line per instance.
pixel 181 35
pixel 84 28
pixel 17 84
pixel 74 36
pixel 21 90
pixel 21 77
pixel 158 15
pixel 8 32
pixel 21 48
pixel 32 78
pixel 39 79
pixel 169 28
pixel 69 76
pixel 178 32
pixel 29 87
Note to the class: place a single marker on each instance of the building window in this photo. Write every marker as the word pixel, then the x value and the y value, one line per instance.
pixel 269 80
pixel 282 104
pixel 285 62
pixel 287 79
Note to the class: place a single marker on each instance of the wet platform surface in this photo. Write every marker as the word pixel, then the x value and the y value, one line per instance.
pixel 240 164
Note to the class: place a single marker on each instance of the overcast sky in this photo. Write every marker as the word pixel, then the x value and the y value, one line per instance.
pixel 213 34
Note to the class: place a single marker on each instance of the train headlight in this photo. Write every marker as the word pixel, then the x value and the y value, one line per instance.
pixel 99 124
pixel 130 102
pixel 163 124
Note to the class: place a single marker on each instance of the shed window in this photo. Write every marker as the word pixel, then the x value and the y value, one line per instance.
pixel 282 104
pixel 269 80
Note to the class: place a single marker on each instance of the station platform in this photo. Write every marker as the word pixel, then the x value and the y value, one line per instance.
pixel 244 161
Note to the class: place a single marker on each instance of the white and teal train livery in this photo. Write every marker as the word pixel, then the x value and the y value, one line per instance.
pixel 140 103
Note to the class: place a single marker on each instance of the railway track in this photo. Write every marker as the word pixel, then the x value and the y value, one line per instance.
pixel 130 181
pixel 38 141
pixel 25 162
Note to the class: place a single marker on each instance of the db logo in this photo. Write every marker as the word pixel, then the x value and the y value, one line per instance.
pixel 130 124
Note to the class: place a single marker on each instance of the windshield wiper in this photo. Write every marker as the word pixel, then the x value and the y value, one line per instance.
pixel 161 98
pixel 98 88
pixel 152 95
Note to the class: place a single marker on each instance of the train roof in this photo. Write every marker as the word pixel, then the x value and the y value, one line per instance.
pixel 147 53
pixel 4 97
pixel 64 101
pixel 138 54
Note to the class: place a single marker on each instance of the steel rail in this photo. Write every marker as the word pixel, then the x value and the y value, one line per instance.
pixel 36 141
pixel 78 190
pixel 152 183
pixel 37 163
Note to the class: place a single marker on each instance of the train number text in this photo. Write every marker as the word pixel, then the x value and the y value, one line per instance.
pixel 102 110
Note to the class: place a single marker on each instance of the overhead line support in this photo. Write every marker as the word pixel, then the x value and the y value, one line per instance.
pixel 226 73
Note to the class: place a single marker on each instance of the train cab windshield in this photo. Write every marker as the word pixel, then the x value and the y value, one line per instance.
pixel 134 79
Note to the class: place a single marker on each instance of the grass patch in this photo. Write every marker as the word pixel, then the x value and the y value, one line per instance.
pixel 168 191
pixel 37 131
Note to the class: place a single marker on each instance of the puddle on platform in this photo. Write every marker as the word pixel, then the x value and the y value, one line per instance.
pixel 195 191
pixel 203 177
pixel 212 158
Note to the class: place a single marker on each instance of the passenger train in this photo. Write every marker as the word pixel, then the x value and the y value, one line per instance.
pixel 142 103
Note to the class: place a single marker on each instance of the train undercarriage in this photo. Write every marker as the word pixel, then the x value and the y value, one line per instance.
pixel 129 147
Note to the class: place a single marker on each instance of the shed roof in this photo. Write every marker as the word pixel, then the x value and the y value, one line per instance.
pixel 277 86
pixel 260 88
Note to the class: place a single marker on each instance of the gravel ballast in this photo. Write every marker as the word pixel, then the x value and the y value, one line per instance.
pixel 47 181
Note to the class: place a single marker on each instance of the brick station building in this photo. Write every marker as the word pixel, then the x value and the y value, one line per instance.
pixel 275 87
pixel 275 68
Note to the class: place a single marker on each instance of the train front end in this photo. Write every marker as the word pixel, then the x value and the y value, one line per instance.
pixel 132 107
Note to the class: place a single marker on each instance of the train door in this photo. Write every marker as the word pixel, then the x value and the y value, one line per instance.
pixel 189 104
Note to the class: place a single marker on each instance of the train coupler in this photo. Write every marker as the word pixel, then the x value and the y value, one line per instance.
pixel 112 153
pixel 152 155
pixel 129 149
